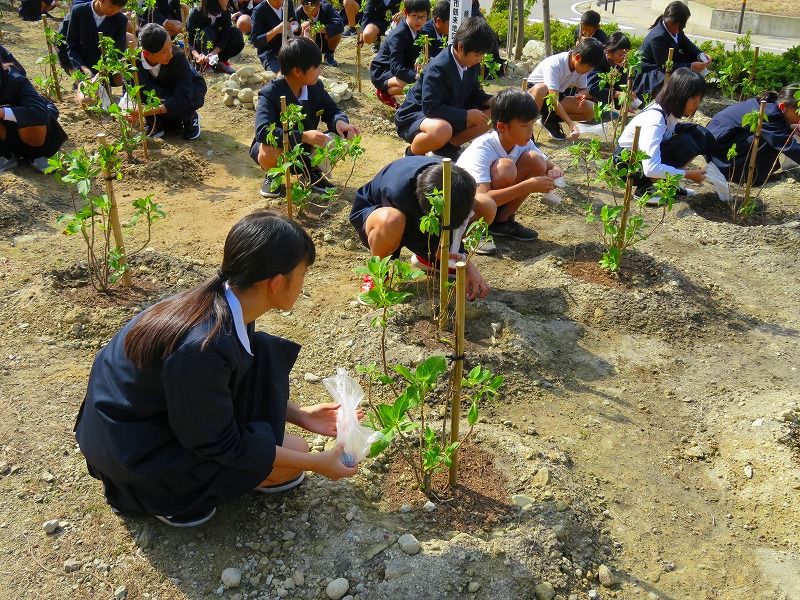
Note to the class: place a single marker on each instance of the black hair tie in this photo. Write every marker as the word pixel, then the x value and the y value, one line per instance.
pixel 222 276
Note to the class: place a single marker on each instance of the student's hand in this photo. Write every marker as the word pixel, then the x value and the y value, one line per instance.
pixel 320 418
pixel 475 284
pixel 542 184
pixel 574 132
pixel 306 28
pixel 346 130
pixel 397 17
pixel 581 98
pixel 133 116
pixel 315 137
pixel 330 464
pixel 698 66
pixel 555 172
pixel 476 117
pixel 696 175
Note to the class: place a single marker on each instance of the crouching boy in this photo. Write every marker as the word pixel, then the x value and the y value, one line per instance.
pixel 507 165
pixel 387 212
pixel 300 60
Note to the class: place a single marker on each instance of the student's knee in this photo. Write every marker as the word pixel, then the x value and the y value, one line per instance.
pixel 33 136
pixel 532 164
pixel 503 173
pixel 268 156
pixel 384 230
pixel 130 40
pixel 244 23
pixel 173 27
pixel 484 207
pixel 437 130
pixel 294 442
pixel 333 41
pixel 538 91
pixel 371 33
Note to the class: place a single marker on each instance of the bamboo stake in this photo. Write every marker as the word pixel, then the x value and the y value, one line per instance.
pixel 669 65
pixel 751 168
pixel 139 104
pixel 359 41
pixel 458 366
pixel 444 245
pixel 755 63
pixel 113 215
pixel 287 175
pixel 186 49
pixel 626 202
pixel 52 64
pixel 524 84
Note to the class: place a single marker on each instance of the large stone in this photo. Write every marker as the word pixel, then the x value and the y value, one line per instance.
pixel 341 89
pixel 269 76
pixel 605 576
pixel 337 588
pixel 409 544
pixel 231 577
pixel 229 100
pixel 544 591
pixel 235 79
pixel 533 50
pixel 246 95
pixel 245 72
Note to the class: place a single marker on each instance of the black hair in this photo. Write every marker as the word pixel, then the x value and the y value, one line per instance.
pixel 618 41
pixel 591 50
pixel 591 18
pixel 682 85
pixel 513 103
pixel 152 37
pixel 462 191
pixel 786 95
pixel 441 10
pixel 119 3
pixel 299 52
pixel 474 35
pixel 315 2
pixel 211 7
pixel 411 6
pixel 260 246
pixel 676 12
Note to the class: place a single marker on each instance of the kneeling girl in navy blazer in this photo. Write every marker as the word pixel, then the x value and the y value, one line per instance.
pixel 187 405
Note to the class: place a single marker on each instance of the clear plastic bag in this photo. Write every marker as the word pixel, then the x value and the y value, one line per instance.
pixel 715 176
pixel 552 198
pixel 356 438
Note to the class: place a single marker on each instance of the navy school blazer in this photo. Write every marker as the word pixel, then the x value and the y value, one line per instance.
pixel 82 41
pixel 395 58
pixel 655 51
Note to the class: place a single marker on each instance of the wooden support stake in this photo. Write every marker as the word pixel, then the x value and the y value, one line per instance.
pixel 669 65
pixel 524 84
pixel 458 366
pixel 751 168
pixel 359 41
pixel 186 50
pixel 107 84
pixel 755 64
pixel 53 69
pixel 444 245
pixel 287 176
pixel 626 202
pixel 139 105
pixel 113 215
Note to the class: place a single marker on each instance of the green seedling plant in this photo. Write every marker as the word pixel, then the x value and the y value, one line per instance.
pixel 489 68
pixel 623 224
pixel 91 219
pixel 48 82
pixel 584 154
pixel 423 41
pixel 744 207
pixel 297 160
pixel 550 102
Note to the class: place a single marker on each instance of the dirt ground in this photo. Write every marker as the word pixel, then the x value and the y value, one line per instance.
pixel 648 425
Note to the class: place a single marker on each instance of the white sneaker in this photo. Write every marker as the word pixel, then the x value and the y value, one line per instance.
pixel 40 163
pixel 6 164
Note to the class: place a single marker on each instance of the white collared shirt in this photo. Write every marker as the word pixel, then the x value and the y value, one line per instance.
pixel 97 18
pixel 655 129
pixel 154 69
pixel 303 97
pixel 238 318
pixel 461 70
pixel 8 114
pixel 484 151
pixel 278 11
pixel 555 73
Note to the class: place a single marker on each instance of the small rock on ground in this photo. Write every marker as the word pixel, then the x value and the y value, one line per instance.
pixel 50 526
pixel 231 577
pixel 337 588
pixel 409 544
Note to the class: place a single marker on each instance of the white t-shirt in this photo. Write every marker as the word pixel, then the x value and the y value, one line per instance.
pixel 478 158
pixel 655 128
pixel 554 71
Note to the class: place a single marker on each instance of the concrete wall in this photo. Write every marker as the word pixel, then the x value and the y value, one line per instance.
pixel 705 17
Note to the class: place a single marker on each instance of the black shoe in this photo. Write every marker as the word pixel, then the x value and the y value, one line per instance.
pixel 408 152
pixel 331 60
pixel 320 182
pixel 646 192
pixel 268 192
pixel 191 127
pixel 153 128
pixel 375 47
pixel 350 32
pixel 553 128
pixel 512 229
pixel 224 67
pixel 448 151
pixel 187 520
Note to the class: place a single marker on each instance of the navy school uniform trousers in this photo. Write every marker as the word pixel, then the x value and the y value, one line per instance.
pixel 30 109
pixel 222 34
pixel 604 94
pixel 200 430
pixel 164 10
pixel 395 186
pixel 726 127
pixel 375 13
pixel 396 58
pixel 319 106
pixel 655 51
pixel 329 17
pixel 441 93
pixel 181 89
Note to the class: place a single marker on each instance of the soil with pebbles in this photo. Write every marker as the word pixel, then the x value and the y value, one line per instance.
pixel 648 422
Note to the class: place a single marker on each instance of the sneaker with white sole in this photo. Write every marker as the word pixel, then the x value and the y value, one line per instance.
pixel 267 191
pixel 282 487
pixel 423 265
pixel 486 247
pixel 191 127
pixel 510 228
pixel 648 193
pixel 153 128
pixel 6 164
pixel 554 129
pixel 187 520
pixel 40 163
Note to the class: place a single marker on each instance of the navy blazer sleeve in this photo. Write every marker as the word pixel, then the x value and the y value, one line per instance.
pixel 83 47
pixel 17 93
pixel 331 18
pixel 402 55
pixel 178 100
pixel 604 94
pixel 440 91
pixel 265 19
pixel 331 113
